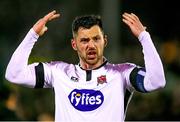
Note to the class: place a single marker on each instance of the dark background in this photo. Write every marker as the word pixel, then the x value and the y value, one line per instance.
pixel 160 17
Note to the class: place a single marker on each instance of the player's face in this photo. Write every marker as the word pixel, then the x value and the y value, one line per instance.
pixel 89 44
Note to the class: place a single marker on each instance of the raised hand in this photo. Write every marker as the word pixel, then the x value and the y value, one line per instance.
pixel 134 23
pixel 40 26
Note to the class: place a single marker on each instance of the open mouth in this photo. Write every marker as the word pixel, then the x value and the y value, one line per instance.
pixel 91 54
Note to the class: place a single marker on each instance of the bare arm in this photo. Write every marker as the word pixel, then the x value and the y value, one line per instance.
pixel 18 71
pixel 153 78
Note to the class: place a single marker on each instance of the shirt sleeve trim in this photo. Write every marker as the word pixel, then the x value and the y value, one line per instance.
pixel 39 71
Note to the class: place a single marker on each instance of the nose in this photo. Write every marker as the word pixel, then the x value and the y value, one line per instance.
pixel 91 44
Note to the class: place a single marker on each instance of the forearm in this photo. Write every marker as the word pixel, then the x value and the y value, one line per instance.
pixel 18 70
pixel 154 77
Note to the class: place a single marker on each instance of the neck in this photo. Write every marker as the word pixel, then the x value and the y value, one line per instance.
pixel 88 66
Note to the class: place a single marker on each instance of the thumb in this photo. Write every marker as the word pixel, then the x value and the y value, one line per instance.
pixel 43 31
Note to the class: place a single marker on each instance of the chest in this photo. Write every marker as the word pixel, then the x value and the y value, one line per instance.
pixel 103 88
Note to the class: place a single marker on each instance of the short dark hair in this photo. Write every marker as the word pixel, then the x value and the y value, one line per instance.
pixel 86 21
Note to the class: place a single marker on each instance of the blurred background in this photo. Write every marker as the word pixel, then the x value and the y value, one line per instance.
pixel 160 17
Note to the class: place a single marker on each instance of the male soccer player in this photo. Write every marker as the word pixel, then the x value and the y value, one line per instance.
pixel 94 90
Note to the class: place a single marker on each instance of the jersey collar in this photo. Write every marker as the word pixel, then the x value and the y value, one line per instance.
pixel 104 63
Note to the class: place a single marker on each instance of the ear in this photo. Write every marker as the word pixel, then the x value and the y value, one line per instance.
pixel 105 40
pixel 73 44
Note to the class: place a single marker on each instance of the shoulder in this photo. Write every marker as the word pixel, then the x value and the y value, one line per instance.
pixel 120 67
pixel 58 65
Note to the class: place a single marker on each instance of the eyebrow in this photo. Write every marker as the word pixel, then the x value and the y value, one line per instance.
pixel 96 36
pixel 84 39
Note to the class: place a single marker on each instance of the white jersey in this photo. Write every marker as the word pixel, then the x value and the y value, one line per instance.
pixel 88 95
pixel 98 95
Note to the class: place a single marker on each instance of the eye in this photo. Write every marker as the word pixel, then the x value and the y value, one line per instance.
pixel 96 38
pixel 84 40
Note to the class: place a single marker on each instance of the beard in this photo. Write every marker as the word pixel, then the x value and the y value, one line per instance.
pixel 91 57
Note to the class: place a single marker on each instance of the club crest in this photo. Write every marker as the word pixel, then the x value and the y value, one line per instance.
pixel 101 79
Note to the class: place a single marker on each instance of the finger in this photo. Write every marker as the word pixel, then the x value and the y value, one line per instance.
pixel 127 22
pixel 134 16
pixel 128 18
pixel 43 31
pixel 54 16
pixel 49 15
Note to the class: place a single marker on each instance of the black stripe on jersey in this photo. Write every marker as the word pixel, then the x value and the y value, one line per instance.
pixel 88 75
pixel 137 80
pixel 39 70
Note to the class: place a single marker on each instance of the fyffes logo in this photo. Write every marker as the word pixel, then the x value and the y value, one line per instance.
pixel 85 99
